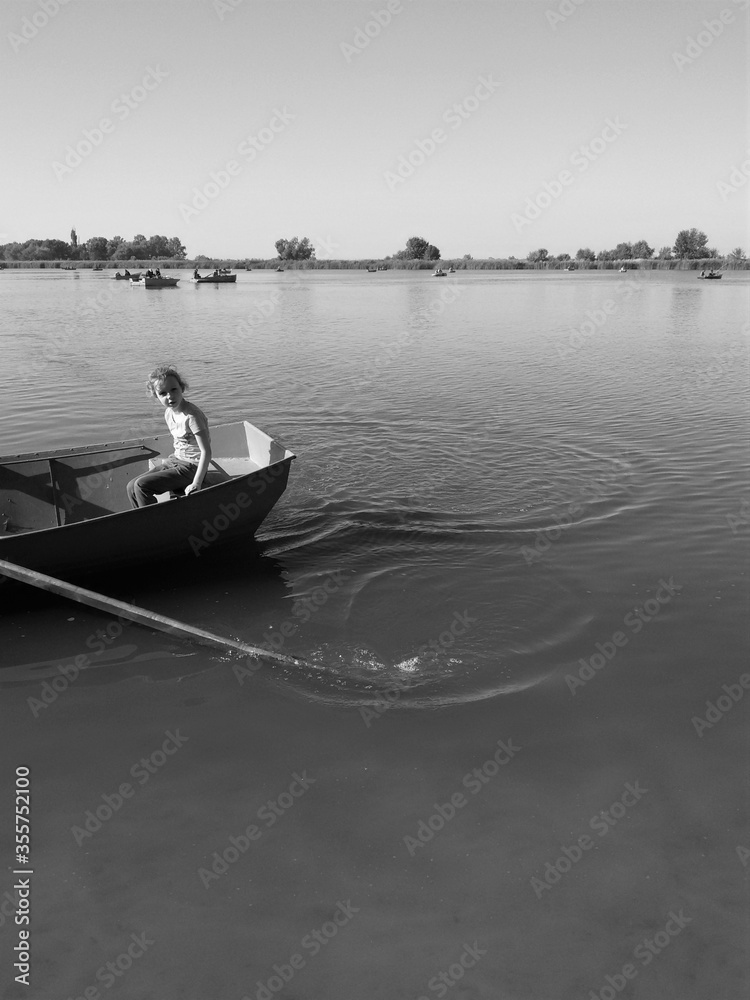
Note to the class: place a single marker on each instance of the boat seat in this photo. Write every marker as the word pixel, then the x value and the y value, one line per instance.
pixel 220 471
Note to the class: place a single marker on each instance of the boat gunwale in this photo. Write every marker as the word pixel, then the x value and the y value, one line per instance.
pixel 93 449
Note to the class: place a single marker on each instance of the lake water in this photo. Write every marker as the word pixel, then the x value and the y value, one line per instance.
pixel 512 552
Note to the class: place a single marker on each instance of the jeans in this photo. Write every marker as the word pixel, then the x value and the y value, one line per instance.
pixel 173 475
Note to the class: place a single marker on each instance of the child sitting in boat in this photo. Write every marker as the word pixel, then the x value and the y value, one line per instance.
pixel 185 469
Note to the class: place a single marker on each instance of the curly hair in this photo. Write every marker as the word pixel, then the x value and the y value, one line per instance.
pixel 162 372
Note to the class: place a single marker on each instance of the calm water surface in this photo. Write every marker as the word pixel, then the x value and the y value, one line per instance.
pixel 519 513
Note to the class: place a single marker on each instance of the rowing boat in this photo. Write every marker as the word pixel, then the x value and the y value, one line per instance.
pixel 67 511
pixel 214 279
pixel 144 282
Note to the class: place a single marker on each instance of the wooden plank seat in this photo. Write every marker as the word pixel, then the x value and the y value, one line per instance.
pixel 220 470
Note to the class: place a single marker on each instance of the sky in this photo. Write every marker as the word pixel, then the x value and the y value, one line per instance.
pixel 487 127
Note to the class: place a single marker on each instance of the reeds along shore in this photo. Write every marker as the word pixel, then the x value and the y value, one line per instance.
pixel 490 264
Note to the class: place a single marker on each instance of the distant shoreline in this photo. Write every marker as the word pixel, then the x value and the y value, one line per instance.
pixel 489 264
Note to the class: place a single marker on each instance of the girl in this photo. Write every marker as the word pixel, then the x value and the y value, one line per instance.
pixel 185 468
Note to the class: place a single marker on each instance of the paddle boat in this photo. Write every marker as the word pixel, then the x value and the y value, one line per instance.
pixel 711 274
pixel 126 277
pixel 439 273
pixel 162 282
pixel 97 267
pixel 67 511
pixel 451 270
pixel 281 269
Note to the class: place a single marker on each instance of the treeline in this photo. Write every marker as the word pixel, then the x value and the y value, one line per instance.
pixel 97 248
pixel 386 264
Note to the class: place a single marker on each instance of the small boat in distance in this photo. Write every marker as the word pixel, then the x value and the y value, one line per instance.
pixel 281 269
pixel 451 269
pixel 127 276
pixel 439 273
pixel 161 282
pixel 217 278
pixel 67 511
pixel 711 274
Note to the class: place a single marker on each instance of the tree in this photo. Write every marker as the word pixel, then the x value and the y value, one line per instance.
pixel 431 253
pixel 641 250
pixel 96 248
pixel 538 256
pixel 175 249
pixel 295 249
pixel 113 246
pixel 563 256
pixel 623 251
pixel 690 243
pixel 585 253
pixel 416 248
pixel 737 254
pixel 606 255
pixel 665 253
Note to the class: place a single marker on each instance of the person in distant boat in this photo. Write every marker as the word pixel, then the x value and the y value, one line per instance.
pixel 158 273
pixel 127 273
pixel 195 273
pixel 186 468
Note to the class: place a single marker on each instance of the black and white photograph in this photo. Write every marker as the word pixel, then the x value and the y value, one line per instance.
pixel 374 499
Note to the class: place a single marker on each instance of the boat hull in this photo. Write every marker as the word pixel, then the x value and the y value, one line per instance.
pixel 222 279
pixel 155 282
pixel 73 488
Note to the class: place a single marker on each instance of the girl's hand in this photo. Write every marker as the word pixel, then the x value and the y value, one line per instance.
pixel 191 489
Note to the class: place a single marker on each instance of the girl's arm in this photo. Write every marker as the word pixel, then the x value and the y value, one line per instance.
pixel 204 443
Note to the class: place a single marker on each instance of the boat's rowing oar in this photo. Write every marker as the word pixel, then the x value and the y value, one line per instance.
pixel 139 615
